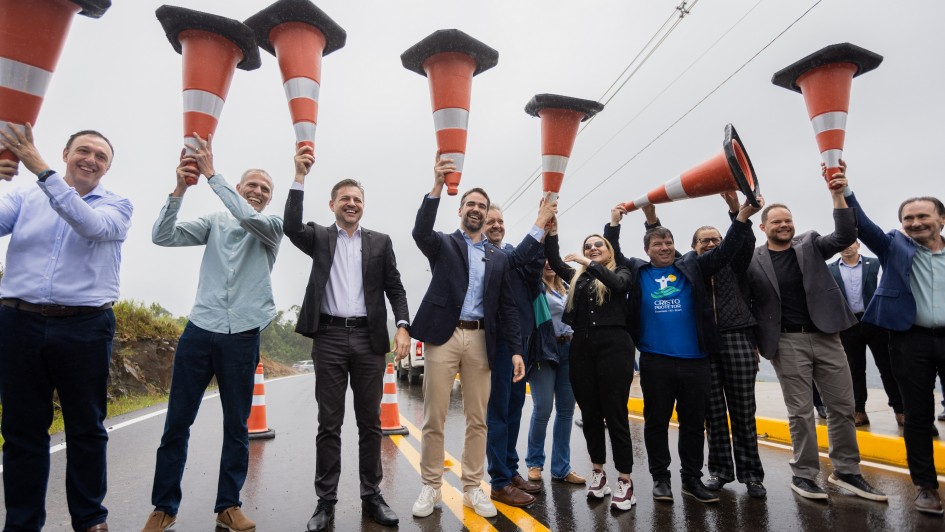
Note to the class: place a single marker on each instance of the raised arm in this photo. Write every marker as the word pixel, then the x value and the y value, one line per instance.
pixel 301 235
pixel 844 220
pixel 423 233
pixel 715 259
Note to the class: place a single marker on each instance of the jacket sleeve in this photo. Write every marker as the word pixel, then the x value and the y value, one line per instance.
pixel 612 234
pixel 525 253
pixel 844 233
pixel 508 316
pixel 423 233
pixel 393 286
pixel 553 254
pixel 301 235
pixel 712 261
pixel 618 281
pixel 870 233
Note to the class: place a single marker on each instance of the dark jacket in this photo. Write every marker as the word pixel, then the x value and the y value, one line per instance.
pixel 378 269
pixel 525 271
pixel 439 311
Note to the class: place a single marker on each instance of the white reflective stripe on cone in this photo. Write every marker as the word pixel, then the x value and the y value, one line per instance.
pixel 675 190
pixel 458 159
pixel 24 78
pixel 190 143
pixel 259 378
pixel 301 88
pixel 832 158
pixel 389 377
pixel 829 121
pixel 554 163
pixel 304 130
pixel 198 101
pixel 389 398
pixel 641 202
pixel 5 126
pixel 450 118
pixel 259 400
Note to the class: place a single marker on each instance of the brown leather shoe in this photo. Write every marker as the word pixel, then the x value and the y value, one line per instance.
pixel 159 521
pixel 573 478
pixel 101 527
pixel 235 520
pixel 512 496
pixel 526 485
pixel 860 419
pixel 928 501
pixel 534 474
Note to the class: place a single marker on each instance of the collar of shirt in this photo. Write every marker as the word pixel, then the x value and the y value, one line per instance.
pixel 357 232
pixel 859 261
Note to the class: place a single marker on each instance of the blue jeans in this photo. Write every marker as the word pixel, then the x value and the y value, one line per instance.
pixel 201 355
pixel 39 355
pixel 551 386
pixel 503 419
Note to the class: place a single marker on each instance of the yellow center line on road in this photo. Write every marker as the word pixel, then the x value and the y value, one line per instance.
pixel 521 518
pixel 452 498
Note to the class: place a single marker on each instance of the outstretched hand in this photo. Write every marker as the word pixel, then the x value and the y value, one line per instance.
pixel 304 159
pixel 203 155
pixel 617 214
pixel 187 173
pixel 19 142
pixel 518 368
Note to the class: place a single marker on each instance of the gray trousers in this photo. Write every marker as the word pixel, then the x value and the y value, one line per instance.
pixel 803 357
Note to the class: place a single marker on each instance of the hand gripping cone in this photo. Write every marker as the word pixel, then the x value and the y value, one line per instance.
pixel 729 170
pixel 825 78
pixel 560 117
pixel 258 430
pixel 299 34
pixel 450 59
pixel 212 47
pixel 390 413
pixel 32 35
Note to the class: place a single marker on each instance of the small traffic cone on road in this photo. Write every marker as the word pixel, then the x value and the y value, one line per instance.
pixel 257 415
pixel 390 413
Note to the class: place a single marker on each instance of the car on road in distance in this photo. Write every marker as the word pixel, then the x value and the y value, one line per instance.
pixel 304 366
pixel 411 367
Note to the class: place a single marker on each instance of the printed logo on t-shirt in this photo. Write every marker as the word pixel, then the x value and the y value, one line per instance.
pixel 665 290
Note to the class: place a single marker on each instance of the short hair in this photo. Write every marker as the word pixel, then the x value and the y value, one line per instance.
pixel 494 207
pixel 660 232
pixel 477 190
pixel 767 209
pixel 92 132
pixel 695 236
pixel 939 208
pixel 346 183
pixel 257 171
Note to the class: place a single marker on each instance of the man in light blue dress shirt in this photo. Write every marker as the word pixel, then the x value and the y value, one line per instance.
pixel 56 323
pixel 233 304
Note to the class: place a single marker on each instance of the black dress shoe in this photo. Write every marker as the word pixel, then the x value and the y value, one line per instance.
pixel 323 516
pixel 694 488
pixel 377 509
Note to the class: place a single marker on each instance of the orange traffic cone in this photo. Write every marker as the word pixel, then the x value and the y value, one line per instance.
pixel 390 413
pixel 299 34
pixel 824 78
pixel 450 59
pixel 729 170
pixel 32 35
pixel 560 117
pixel 212 48
pixel 257 415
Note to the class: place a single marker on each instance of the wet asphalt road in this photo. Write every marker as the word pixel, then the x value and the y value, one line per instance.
pixel 279 494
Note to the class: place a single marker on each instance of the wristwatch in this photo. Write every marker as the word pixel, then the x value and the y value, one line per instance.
pixel 44 175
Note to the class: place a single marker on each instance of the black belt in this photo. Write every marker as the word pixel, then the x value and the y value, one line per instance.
pixel 328 319
pixel 52 311
pixel 799 329
pixel 470 324
pixel 563 339
pixel 934 331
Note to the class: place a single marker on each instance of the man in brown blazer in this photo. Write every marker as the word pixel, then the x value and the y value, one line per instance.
pixel 800 312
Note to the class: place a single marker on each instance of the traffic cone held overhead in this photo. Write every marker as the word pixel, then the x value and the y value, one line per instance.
pixel 212 48
pixel 390 412
pixel 450 59
pixel 32 36
pixel 824 78
pixel 560 118
pixel 299 34
pixel 729 170
pixel 256 424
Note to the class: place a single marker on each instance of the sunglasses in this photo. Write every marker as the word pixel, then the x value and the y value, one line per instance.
pixel 591 245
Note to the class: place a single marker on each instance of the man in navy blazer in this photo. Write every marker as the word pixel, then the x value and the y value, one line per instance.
pixel 856 275
pixel 468 304
pixel 913 260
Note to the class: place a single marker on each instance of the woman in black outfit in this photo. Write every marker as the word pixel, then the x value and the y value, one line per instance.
pixel 601 361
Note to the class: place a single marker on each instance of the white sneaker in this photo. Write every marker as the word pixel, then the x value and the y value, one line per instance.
pixel 426 501
pixel 476 499
pixel 623 498
pixel 598 487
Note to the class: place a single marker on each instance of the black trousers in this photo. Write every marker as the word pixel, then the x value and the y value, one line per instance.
pixel 919 355
pixel 339 352
pixel 684 383
pixel 601 372
pixel 855 340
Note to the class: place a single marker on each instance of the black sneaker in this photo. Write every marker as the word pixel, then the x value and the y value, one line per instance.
pixel 714 483
pixel 662 490
pixel 858 485
pixel 807 488
pixel 694 488
pixel 756 490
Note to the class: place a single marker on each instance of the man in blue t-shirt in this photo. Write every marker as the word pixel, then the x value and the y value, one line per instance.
pixel 672 324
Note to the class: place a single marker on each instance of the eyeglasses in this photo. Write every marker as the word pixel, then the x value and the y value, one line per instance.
pixel 591 245
pixel 712 240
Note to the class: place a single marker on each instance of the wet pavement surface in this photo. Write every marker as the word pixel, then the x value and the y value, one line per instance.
pixel 279 493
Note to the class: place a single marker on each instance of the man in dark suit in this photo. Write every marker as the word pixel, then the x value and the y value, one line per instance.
pixel 856 275
pixel 344 312
pixel 800 312
pixel 468 304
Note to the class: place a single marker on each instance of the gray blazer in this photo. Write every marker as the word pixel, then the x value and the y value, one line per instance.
pixel 825 302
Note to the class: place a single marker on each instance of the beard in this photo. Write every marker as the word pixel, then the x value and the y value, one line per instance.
pixel 782 238
pixel 471 225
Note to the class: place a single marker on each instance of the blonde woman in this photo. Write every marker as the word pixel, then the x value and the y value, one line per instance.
pixel 601 367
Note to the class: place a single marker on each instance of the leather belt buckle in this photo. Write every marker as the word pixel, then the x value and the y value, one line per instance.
pixel 351 322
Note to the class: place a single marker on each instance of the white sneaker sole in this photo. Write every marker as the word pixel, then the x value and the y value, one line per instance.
pixel 853 489
pixel 807 494
pixel 624 504
pixel 488 512
pixel 425 512
pixel 598 494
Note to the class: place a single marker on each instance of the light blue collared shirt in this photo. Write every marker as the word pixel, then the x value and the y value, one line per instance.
pixel 928 287
pixel 556 303
pixel 852 277
pixel 234 293
pixel 64 249
pixel 472 304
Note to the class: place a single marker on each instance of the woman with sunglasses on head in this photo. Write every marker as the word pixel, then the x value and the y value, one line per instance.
pixel 601 368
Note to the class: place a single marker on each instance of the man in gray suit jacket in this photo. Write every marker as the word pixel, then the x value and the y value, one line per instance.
pixel 800 311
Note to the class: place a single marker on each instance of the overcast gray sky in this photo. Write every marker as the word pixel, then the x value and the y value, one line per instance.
pixel 119 75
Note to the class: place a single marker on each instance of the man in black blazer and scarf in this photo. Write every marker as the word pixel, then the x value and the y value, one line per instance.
pixel 344 313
